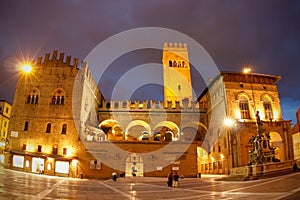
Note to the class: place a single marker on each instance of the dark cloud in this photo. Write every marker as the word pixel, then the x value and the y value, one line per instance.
pixel 263 34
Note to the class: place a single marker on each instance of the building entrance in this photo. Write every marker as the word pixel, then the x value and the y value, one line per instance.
pixel 37 165
pixel 134 165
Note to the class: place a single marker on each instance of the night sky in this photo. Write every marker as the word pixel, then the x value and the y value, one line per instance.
pixel 261 34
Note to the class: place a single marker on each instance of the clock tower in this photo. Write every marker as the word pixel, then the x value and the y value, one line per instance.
pixel 177 76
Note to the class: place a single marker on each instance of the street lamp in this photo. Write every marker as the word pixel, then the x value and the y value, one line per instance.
pixel 230 123
pixel 27 68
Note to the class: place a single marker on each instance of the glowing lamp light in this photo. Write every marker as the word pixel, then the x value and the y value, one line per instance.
pixel 27 68
pixel 247 70
pixel 228 122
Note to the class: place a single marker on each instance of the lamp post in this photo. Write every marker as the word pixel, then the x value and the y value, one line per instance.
pixel 229 123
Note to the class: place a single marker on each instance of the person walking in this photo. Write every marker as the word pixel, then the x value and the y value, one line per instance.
pixel 170 179
pixel 176 179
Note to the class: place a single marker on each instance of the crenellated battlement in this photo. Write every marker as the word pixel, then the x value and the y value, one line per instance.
pixel 62 58
pixel 146 105
pixel 175 46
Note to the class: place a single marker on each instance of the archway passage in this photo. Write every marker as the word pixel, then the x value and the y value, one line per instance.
pixel 193 131
pixel 166 131
pixel 136 128
pixel 276 141
pixel 112 129
pixel 134 165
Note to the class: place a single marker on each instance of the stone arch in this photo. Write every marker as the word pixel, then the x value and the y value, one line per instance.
pixel 268 96
pixel 167 127
pixel 239 95
pixel 193 131
pixel 58 91
pixel 34 91
pixel 141 127
pixel 112 129
pixel 276 141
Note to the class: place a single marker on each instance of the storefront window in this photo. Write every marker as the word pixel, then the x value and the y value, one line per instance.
pixel 18 161
pixel 62 167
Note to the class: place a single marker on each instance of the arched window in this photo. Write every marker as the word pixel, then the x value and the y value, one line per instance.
pixel 26 126
pixel 244 108
pixel 268 109
pixel 64 129
pixel 48 129
pixel 58 97
pixel 33 97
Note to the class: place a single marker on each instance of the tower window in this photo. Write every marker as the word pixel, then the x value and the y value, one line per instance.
pixel 48 129
pixel 24 147
pixel 174 64
pixel 58 98
pixel 26 126
pixel 64 129
pixel 39 148
pixel 170 63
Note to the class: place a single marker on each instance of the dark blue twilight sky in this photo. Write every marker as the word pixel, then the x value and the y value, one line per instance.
pixel 262 34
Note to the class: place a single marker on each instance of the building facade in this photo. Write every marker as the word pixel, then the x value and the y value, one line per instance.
pixel 61 124
pixel 237 97
pixel 5 112
pixel 296 136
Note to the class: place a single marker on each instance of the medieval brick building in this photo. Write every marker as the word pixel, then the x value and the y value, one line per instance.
pixel 61 124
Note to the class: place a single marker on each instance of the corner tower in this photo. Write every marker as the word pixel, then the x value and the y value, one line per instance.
pixel 177 76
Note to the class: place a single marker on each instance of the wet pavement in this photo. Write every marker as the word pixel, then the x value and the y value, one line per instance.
pixel 20 185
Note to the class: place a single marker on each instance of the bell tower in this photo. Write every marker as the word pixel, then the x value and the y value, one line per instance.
pixel 177 75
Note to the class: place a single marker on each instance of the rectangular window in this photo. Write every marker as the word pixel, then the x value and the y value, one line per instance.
pixel 26 126
pixel 64 129
pixel 245 114
pixel 18 161
pixel 62 167
pixel 24 147
pixel 54 150
pixel 95 164
pixel 39 148
pixel 65 150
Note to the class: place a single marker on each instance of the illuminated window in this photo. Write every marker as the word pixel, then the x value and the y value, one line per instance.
pixel 27 163
pixel 49 166
pixel 62 167
pixel 26 126
pixel 18 161
pixel 48 129
pixel 268 109
pixel 244 108
pixel 64 129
